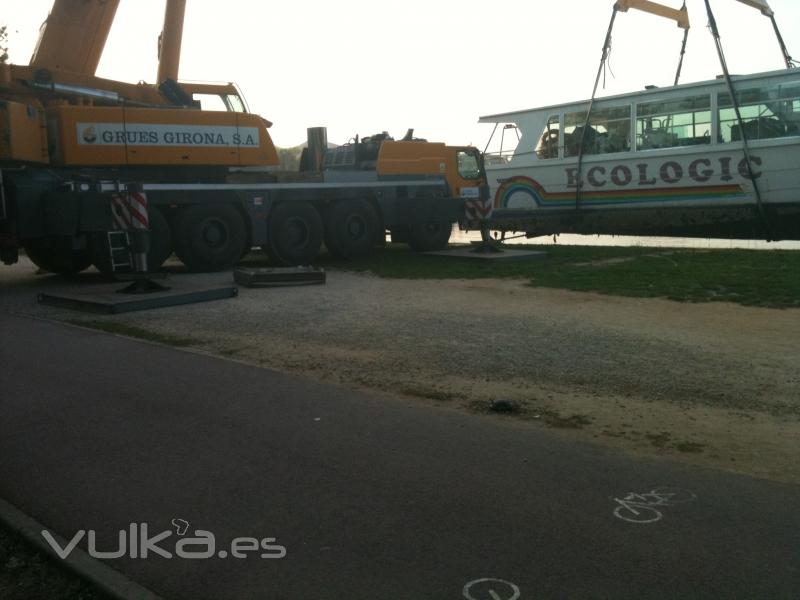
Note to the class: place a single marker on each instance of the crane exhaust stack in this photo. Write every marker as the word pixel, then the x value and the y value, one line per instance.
pixel 317 146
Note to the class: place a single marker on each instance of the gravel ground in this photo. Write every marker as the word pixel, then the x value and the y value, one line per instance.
pixel 714 384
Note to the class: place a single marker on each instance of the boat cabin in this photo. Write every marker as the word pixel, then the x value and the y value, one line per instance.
pixel 677 118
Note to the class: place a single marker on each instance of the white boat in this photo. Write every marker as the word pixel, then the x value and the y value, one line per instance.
pixel 673 161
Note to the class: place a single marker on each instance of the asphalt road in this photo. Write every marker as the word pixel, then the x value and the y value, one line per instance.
pixel 372 497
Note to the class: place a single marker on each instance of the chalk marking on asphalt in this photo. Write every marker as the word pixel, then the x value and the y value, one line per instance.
pixel 513 588
pixel 642 508
pixel 104 577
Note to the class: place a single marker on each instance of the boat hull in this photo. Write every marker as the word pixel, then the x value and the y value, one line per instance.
pixel 705 194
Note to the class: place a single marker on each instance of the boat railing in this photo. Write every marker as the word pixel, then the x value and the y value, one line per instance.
pixel 506 156
pixel 497 158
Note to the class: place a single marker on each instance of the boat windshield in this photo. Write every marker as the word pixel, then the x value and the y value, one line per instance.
pixel 503 143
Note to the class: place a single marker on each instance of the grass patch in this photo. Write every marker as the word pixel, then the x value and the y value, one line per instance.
pixel 429 394
pixel 551 418
pixel 690 447
pixel 664 440
pixel 659 440
pixel 767 278
pixel 27 573
pixel 138 332
pixel 555 419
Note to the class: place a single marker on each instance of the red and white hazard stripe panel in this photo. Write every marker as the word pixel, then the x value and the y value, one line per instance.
pixel 130 211
pixel 478 210
pixel 139 219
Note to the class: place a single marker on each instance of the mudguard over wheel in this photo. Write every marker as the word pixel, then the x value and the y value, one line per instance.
pixel 352 228
pixel 210 237
pixel 428 237
pixel 49 255
pixel 294 234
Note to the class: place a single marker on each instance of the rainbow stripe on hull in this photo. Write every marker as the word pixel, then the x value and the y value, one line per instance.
pixel 519 187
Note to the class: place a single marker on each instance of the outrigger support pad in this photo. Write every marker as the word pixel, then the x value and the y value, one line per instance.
pixel 487 245
pixel 142 283
pixel 490 247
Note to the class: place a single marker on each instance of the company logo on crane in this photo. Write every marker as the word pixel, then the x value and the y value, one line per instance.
pixel 166 135
pixel 89 135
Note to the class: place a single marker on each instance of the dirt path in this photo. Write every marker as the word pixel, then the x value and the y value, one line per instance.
pixel 713 384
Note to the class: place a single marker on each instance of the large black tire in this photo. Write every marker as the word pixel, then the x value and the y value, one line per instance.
pixel 294 234
pixel 160 244
pixel 352 228
pixel 428 237
pixel 100 252
pixel 53 255
pixel 210 237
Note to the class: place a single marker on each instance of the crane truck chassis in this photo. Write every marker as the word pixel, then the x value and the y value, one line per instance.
pixel 82 156
pixel 66 220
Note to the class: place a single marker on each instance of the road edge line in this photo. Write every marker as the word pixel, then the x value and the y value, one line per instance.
pixel 109 580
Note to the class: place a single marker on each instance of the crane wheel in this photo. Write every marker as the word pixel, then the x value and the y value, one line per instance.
pixel 294 234
pixel 49 255
pixel 428 237
pixel 160 244
pixel 352 228
pixel 210 237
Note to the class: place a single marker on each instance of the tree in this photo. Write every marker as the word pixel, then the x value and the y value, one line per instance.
pixel 3 46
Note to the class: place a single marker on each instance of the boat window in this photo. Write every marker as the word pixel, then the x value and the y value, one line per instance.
pixel 673 123
pixel 767 112
pixel 469 166
pixel 548 141
pixel 609 131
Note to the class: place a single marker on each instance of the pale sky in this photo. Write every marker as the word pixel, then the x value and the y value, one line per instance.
pixel 358 66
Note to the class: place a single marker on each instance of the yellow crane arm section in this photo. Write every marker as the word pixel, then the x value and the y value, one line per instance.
pixel 74 35
pixel 680 16
pixel 169 43
pixel 761 5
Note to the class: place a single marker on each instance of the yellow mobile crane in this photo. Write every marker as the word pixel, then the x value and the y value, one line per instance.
pixel 81 156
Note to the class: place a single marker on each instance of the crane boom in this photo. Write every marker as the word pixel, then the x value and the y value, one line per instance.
pixel 169 43
pixel 761 5
pixel 74 35
pixel 680 16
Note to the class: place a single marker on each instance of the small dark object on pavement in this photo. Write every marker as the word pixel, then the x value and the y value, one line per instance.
pixel 280 276
pixel 503 406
